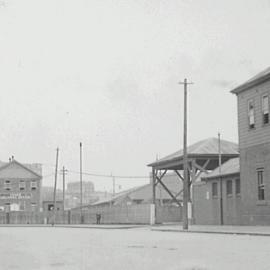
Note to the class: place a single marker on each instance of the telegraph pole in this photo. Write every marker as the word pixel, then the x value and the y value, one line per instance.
pixel 220 181
pixel 64 171
pixel 113 186
pixel 185 162
pixel 55 184
pixel 81 183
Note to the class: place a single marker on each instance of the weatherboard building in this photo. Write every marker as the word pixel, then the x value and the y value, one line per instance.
pixel 240 194
pixel 254 144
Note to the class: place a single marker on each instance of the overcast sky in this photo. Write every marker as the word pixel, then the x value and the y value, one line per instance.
pixel 106 72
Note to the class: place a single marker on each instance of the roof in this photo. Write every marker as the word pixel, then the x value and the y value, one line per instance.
pixel 202 149
pixel 230 167
pixel 144 192
pixel 33 168
pixel 119 195
pixel 257 79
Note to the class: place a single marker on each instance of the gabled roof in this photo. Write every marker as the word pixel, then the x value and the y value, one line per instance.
pixel 24 166
pixel 144 192
pixel 205 148
pixel 257 79
pixel 119 195
pixel 230 167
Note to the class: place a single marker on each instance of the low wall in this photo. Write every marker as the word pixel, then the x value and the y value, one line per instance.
pixel 168 214
pixel 137 214
pixel 122 214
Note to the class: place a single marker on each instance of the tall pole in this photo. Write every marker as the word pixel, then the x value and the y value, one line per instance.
pixel 153 205
pixel 220 181
pixel 64 171
pixel 55 184
pixel 81 193
pixel 185 162
pixel 113 185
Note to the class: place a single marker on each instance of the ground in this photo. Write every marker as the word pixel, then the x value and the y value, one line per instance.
pixel 131 249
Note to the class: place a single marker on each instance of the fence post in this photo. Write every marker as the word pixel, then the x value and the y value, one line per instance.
pixel 69 216
pixel 7 218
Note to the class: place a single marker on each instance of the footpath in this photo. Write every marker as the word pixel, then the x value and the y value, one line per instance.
pixel 215 229
pixel 172 227
pixel 83 226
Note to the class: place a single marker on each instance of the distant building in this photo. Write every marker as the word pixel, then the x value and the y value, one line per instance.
pixel 73 194
pixel 20 186
pixel 47 196
pixel 48 206
pixel 143 194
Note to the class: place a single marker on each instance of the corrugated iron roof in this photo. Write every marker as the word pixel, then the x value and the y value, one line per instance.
pixel 232 166
pixel 204 148
pixel 143 192
pixel 259 78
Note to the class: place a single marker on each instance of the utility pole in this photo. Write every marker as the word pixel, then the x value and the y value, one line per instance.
pixel 113 185
pixel 81 192
pixel 55 184
pixel 220 181
pixel 185 162
pixel 64 171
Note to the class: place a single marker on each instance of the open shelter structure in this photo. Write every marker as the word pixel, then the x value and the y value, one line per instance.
pixel 203 157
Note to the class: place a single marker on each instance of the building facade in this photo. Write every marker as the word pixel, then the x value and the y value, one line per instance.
pixel 20 186
pixel 217 197
pixel 254 143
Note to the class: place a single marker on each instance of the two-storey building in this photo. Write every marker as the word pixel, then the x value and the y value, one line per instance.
pixel 20 186
pixel 253 99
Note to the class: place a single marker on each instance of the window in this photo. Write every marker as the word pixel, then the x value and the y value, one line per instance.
pixel 33 185
pixel 229 187
pixel 22 185
pixel 251 114
pixel 7 185
pixel 265 109
pixel 7 207
pixel 237 186
pixel 214 190
pixel 260 184
pixel 33 206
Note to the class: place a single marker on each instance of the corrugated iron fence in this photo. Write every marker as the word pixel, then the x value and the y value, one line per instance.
pixel 128 214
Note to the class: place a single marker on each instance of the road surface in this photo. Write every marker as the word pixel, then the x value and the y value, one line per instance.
pixel 130 249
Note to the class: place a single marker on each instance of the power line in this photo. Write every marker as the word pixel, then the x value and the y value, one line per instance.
pixel 107 175
pixel 110 175
pixel 104 175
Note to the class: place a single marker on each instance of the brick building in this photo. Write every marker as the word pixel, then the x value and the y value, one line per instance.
pixel 241 193
pixel 254 144
pixel 20 186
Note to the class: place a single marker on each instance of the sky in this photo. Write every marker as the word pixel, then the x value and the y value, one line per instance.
pixel 106 73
